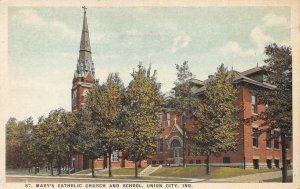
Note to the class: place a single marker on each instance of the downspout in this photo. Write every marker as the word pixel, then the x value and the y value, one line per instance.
pixel 244 152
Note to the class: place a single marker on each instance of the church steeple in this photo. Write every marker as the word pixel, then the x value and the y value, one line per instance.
pixel 84 76
pixel 85 64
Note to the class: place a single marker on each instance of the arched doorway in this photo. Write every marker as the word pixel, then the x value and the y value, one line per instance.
pixel 177 153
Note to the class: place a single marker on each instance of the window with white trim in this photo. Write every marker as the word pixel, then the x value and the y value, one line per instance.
pixel 160 119
pixel 287 142
pixel 74 97
pixel 268 139
pixel 160 145
pixel 276 139
pixel 255 137
pixel 114 156
pixel 253 104
pixel 168 119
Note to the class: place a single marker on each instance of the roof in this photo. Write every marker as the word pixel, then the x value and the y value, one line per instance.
pixel 239 77
pixel 197 81
pixel 252 70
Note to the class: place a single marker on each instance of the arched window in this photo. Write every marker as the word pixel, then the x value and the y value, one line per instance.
pixel 176 143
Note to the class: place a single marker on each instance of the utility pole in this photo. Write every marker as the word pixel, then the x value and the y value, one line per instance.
pixel 183 122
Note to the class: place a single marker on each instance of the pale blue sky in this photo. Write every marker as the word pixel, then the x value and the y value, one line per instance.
pixel 44 44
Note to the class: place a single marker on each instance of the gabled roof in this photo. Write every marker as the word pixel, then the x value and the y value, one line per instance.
pixel 239 77
pixel 174 129
pixel 252 70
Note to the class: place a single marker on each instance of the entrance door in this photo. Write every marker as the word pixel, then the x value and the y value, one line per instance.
pixel 177 155
pixel 177 151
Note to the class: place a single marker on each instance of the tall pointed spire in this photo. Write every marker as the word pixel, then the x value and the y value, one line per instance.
pixel 85 39
pixel 85 63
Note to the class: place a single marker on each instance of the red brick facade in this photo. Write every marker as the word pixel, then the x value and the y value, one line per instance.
pixel 246 154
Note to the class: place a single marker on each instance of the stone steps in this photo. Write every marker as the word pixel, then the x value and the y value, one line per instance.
pixel 149 170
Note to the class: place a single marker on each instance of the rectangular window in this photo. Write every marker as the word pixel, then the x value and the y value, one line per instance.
pixel 287 142
pixel 253 104
pixel 255 137
pixel 190 152
pixel 183 120
pixel 269 163
pixel 198 161
pixel 226 159
pixel 276 163
pixel 288 163
pixel 160 118
pixel 114 156
pixel 268 139
pixel 256 163
pixel 168 119
pixel 160 145
pixel 191 161
pixel 276 139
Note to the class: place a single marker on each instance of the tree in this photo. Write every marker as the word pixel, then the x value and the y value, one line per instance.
pixel 278 115
pixel 50 139
pixel 69 132
pixel 91 138
pixel 217 128
pixel 112 107
pixel 18 143
pixel 184 100
pixel 100 116
pixel 143 100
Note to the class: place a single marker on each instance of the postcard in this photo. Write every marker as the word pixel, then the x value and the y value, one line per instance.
pixel 149 94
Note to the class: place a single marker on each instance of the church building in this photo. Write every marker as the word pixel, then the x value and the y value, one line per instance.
pixel 254 150
pixel 83 81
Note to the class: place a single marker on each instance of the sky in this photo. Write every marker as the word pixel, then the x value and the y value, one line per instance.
pixel 43 46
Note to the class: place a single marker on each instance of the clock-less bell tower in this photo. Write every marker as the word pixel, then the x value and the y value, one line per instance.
pixel 84 76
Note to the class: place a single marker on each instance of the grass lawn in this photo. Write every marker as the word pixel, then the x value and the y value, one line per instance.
pixel 123 171
pixel 200 172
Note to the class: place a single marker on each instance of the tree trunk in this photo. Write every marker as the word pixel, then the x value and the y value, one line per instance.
pixel 68 163
pixel 93 172
pixel 59 169
pixel 51 167
pixel 207 164
pixel 109 164
pixel 183 147
pixel 283 151
pixel 135 170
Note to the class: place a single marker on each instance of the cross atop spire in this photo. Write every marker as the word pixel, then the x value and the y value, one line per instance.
pixel 85 63
pixel 84 8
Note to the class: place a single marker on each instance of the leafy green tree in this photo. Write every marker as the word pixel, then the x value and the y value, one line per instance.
pixel 112 107
pixel 184 102
pixel 91 137
pixel 18 141
pixel 278 115
pixel 143 100
pixel 217 128
pixel 69 132
pixel 102 116
pixel 50 139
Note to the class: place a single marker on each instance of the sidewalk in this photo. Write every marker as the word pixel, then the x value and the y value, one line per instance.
pixel 251 178
pixel 190 180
